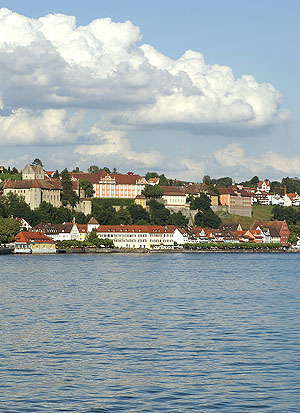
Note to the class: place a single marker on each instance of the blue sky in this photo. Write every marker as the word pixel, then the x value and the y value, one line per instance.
pixel 166 124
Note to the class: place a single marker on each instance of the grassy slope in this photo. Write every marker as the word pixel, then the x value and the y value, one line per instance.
pixel 259 212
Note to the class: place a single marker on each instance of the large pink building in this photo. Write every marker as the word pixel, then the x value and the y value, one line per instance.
pixel 113 185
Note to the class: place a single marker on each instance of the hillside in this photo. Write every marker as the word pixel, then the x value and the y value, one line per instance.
pixel 259 212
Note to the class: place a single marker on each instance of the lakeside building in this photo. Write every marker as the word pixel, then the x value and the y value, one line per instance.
pixel 64 232
pixel 29 242
pixel 273 229
pixel 137 236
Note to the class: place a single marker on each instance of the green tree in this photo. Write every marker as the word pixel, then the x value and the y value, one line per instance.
pixel 123 217
pixel 14 205
pixel 56 174
pixel 63 214
pixel 151 175
pixel 206 180
pixel 225 181
pixel 45 212
pixel 178 219
pixel 139 215
pixel 93 168
pixel 254 181
pixel 87 186
pixel 163 181
pixel 294 233
pixel 3 210
pixel 68 197
pixel 106 215
pixel 92 237
pixel 152 191
pixel 37 161
pixel 159 214
pixel 207 218
pixel 201 203
pixel 8 229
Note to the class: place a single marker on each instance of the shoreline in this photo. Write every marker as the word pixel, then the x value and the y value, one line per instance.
pixel 177 251
pixel 89 251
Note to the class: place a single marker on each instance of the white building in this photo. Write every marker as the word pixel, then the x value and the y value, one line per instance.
pixel 181 234
pixel 34 188
pixel 137 236
pixel 173 196
pixel 264 186
pixel 291 199
pixel 276 200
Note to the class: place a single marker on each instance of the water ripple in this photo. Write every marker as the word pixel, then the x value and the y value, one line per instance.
pixel 167 333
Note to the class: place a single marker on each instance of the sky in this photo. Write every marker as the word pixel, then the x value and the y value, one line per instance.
pixel 182 88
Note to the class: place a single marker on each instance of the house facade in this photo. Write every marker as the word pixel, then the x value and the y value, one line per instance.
pixel 141 200
pixel 237 200
pixel 264 186
pixel 113 185
pixel 281 228
pixel 173 196
pixel 65 232
pixel 34 188
pixel 137 236
pixel 32 172
pixel 35 192
pixel 291 199
pixel 33 243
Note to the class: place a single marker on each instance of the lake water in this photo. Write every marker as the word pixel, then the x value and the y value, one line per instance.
pixel 150 333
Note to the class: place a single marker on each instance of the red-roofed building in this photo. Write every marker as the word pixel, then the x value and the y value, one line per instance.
pixel 264 186
pixel 28 242
pixel 153 181
pixel 34 188
pixel 237 200
pixel 291 199
pixel 137 236
pixel 173 196
pixel 281 228
pixel 113 185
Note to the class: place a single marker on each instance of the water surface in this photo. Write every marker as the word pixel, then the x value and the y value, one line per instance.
pixel 147 333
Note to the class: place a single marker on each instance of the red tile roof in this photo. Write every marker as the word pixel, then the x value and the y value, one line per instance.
pixel 126 179
pixel 134 228
pixel 93 178
pixel 36 183
pixel 172 191
pixel 29 236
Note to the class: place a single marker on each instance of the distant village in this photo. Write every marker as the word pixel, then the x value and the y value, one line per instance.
pixel 165 214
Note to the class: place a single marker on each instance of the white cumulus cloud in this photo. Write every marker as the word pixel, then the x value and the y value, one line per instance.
pixel 233 156
pixel 51 62
pixel 51 126
pixel 116 145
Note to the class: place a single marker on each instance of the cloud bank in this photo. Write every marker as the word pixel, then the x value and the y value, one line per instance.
pixel 51 63
pixel 53 73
